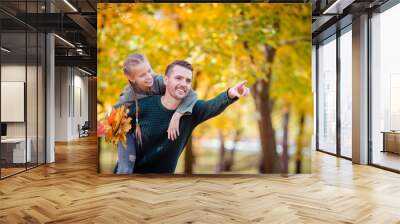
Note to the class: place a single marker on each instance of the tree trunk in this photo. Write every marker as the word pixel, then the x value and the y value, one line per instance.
pixel 285 140
pixel 221 162
pixel 264 105
pixel 299 145
pixel 189 158
pixel 229 163
pixel 260 92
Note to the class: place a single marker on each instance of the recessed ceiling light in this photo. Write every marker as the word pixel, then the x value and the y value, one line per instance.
pixel 86 72
pixel 64 40
pixel 5 49
pixel 337 7
pixel 70 5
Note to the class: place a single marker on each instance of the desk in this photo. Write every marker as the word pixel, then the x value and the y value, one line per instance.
pixel 13 150
pixel 391 141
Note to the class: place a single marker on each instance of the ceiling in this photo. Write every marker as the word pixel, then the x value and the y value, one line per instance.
pixel 74 22
pixel 330 15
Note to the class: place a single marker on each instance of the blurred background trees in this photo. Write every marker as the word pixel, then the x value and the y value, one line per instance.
pixel 267 44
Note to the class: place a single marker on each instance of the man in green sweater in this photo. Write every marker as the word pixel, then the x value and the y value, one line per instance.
pixel 158 154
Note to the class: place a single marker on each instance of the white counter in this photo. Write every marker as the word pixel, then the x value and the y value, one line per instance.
pixel 19 149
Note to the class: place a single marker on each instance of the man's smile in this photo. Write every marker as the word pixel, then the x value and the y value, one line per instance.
pixel 181 90
pixel 149 83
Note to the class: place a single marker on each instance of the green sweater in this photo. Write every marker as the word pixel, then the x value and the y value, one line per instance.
pixel 158 154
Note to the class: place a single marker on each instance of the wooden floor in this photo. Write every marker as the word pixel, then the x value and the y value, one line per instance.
pixel 387 159
pixel 10 171
pixel 70 191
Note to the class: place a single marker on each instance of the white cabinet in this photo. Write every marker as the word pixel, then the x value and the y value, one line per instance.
pixel 18 149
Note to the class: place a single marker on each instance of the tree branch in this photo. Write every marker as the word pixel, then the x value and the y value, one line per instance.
pixel 292 41
pixel 213 51
pixel 252 61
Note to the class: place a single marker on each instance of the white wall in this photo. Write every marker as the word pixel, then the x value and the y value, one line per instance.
pixel 71 93
pixel 14 73
pixel 34 124
pixel 61 103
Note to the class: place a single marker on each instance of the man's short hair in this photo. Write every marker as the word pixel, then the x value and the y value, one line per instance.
pixel 182 63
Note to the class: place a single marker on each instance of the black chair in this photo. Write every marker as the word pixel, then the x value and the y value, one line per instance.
pixel 84 130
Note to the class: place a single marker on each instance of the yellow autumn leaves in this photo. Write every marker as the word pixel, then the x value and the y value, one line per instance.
pixel 115 126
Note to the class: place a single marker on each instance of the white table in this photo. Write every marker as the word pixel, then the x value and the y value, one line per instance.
pixel 19 149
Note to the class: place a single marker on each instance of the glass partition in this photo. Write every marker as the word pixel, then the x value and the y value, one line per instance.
pixel 327 95
pixel 385 89
pixel 14 153
pixel 346 92
pixel 22 89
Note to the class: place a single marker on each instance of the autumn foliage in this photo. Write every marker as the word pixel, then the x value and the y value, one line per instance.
pixel 115 126
pixel 269 45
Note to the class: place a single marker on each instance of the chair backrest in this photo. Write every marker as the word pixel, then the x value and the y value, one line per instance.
pixel 86 125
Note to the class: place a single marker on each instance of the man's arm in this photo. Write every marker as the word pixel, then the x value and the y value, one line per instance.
pixel 204 110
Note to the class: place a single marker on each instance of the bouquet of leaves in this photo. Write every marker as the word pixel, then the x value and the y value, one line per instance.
pixel 115 127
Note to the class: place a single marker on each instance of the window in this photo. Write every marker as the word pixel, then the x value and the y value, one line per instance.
pixel 327 95
pixel 346 92
pixel 385 88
